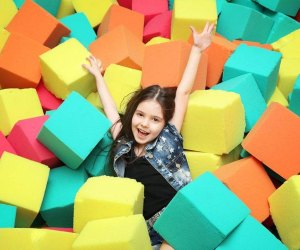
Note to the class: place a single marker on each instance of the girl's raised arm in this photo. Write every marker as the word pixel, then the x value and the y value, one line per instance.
pixel 109 105
pixel 201 42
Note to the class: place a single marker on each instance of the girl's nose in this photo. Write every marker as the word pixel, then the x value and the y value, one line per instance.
pixel 145 123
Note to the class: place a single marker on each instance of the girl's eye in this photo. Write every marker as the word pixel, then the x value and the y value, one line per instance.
pixel 139 114
pixel 155 119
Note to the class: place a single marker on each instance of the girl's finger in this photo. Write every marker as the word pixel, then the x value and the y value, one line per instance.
pixel 193 29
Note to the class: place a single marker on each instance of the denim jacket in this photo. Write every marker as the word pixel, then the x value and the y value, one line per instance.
pixel 165 154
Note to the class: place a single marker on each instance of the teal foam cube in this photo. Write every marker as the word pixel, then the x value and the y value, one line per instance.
pixel 241 22
pixel 254 103
pixel 201 215
pixel 250 235
pixel 73 130
pixel 7 216
pixel 80 27
pixel 294 98
pixel 283 25
pixel 50 6
pixel 288 7
pixel 97 163
pixel 249 3
pixel 262 63
pixel 58 204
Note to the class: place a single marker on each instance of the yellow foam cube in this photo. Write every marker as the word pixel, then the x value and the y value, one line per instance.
pixel 62 70
pixel 4 35
pixel 32 238
pixel 292 37
pixel 278 97
pixel 65 9
pixel 214 122
pixel 284 207
pixel 8 11
pixel 157 40
pixel 94 99
pixel 105 197
pixel 200 162
pixel 22 184
pixel 94 10
pixel 191 12
pixel 126 233
pixel 122 82
pixel 16 105
pixel 288 73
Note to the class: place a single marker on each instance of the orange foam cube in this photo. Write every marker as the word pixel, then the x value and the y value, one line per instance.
pixel 118 15
pixel 164 65
pixel 250 182
pixel 23 71
pixel 35 22
pixel 119 46
pixel 275 140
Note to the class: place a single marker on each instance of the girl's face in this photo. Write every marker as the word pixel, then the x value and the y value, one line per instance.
pixel 147 122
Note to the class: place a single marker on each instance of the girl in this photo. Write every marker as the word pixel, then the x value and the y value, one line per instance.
pixel 147 142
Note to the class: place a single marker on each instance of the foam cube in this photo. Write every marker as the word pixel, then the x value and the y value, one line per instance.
pixel 106 197
pixel 94 10
pixel 8 11
pixel 25 132
pixel 288 73
pixel 73 130
pixel 254 103
pixel 5 145
pixel 24 72
pixel 275 140
pixel 288 7
pixel 97 163
pixel 289 40
pixel 61 81
pixel 294 104
pixel 251 43
pixel 27 106
pixel 191 12
pixel 278 97
pixel 94 99
pixel 116 233
pixel 214 122
pixel 205 213
pixel 49 6
pixel 284 208
pixel 65 8
pixel 159 25
pixel 4 35
pixel 125 3
pixel 58 205
pixel 119 46
pixel 262 63
pixel 240 22
pixel 47 99
pixel 168 70
pixel 80 28
pixel 200 162
pixel 36 23
pixel 249 235
pixel 248 179
pixel 33 238
pixel 283 25
pixel 122 82
pixel 118 15
pixel 8 216
pixel 249 3
pixel 157 40
pixel 22 184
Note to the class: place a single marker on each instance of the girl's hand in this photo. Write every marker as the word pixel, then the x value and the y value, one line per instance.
pixel 203 40
pixel 95 66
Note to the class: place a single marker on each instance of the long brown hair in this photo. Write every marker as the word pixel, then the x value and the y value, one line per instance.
pixel 164 96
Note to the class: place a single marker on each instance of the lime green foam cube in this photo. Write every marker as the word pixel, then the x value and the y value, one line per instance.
pixel 62 70
pixel 18 104
pixel 278 97
pixel 126 233
pixel 73 130
pixel 8 11
pixel 191 12
pixel 214 122
pixel 122 82
pixel 22 184
pixel 105 197
pixel 284 208
pixel 249 235
pixel 201 215
pixel 32 238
